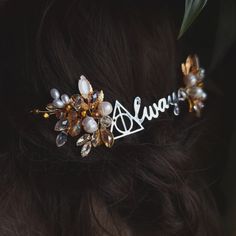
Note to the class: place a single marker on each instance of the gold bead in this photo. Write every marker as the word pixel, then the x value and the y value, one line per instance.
pixel 68 107
pixel 46 115
pixel 83 113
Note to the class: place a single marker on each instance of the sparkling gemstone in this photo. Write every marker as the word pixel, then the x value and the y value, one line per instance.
pixel 72 116
pixel 61 125
pixel 75 129
pixel 89 124
pixel 107 137
pixel 77 100
pixel 106 121
pixel 83 139
pixel 95 96
pixel 105 108
pixel 85 87
pixel 61 139
pixel 59 114
pixel 85 150
pixel 96 138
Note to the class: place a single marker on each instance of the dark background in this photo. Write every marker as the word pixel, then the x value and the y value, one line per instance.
pixel 213 37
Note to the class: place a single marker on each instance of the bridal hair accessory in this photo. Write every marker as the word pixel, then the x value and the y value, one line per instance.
pixel 94 122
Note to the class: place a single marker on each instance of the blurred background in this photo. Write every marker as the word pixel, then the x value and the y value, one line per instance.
pixel 213 37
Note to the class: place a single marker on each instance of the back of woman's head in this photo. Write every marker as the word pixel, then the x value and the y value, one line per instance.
pixel 146 183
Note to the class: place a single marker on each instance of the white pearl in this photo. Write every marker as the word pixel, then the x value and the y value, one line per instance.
pixel 190 80
pixel 58 103
pixel 201 73
pixel 90 125
pixel 105 108
pixel 85 87
pixel 54 93
pixel 198 93
pixel 65 98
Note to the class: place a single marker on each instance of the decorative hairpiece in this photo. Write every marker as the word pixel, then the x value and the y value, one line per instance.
pixel 87 116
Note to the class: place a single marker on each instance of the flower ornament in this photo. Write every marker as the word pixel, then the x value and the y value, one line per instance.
pixel 193 80
pixel 85 115
pixel 88 117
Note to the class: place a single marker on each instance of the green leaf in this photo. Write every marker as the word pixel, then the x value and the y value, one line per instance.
pixel 192 9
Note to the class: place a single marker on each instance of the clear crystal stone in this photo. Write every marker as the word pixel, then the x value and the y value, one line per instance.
pixel 75 130
pixel 61 139
pixel 61 125
pixel 85 150
pixel 96 138
pixel 106 121
pixel 83 139
pixel 107 137
pixel 95 96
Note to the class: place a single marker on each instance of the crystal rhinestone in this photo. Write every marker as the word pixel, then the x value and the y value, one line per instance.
pixel 85 87
pixel 75 129
pixel 83 139
pixel 95 96
pixel 72 116
pixel 77 100
pixel 85 150
pixel 61 125
pixel 61 139
pixel 106 121
pixel 107 137
pixel 96 138
pixel 59 114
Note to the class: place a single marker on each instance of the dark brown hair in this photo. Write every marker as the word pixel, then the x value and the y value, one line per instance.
pixel 148 183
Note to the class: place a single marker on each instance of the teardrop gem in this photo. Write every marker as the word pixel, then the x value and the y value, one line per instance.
pixel 85 150
pixel 107 137
pixel 61 125
pixel 96 138
pixel 83 139
pixel 72 117
pixel 61 139
pixel 75 130
pixel 85 87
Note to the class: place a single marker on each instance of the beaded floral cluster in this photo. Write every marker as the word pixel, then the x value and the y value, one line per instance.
pixel 193 80
pixel 85 115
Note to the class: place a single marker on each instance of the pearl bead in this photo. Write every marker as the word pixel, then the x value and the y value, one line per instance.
pixel 190 80
pixel 54 93
pixel 85 87
pixel 105 108
pixel 201 73
pixel 65 98
pixel 198 93
pixel 58 103
pixel 89 124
